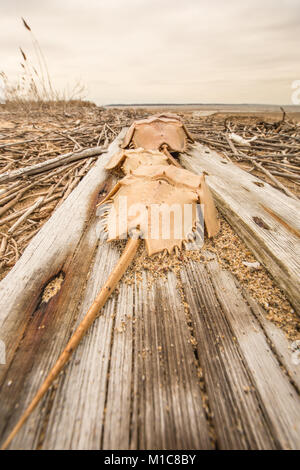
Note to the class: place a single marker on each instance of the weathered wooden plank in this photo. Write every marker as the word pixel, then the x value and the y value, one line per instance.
pixel 167 407
pixel 116 431
pixel 237 417
pixel 278 341
pixel 44 338
pixel 278 398
pixel 152 396
pixel 33 331
pixel 267 220
pixel 77 413
pixel 44 257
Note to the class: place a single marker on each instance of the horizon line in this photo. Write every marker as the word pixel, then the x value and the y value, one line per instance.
pixel 201 104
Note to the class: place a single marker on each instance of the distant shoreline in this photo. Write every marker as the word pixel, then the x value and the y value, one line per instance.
pixel 204 105
pixel 232 108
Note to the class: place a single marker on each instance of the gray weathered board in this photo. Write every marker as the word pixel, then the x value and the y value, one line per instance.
pixel 147 375
pixel 265 218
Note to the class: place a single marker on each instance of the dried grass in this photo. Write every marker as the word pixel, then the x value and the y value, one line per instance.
pixel 35 84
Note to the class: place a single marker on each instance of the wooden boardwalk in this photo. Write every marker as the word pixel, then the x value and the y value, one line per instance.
pixel 189 362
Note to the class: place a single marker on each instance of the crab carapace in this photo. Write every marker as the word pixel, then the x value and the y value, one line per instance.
pixel 165 132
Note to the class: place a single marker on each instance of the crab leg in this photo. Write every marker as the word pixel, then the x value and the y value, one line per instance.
pixel 120 268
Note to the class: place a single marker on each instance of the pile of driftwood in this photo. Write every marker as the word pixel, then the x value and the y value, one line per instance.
pixel 271 149
pixel 43 156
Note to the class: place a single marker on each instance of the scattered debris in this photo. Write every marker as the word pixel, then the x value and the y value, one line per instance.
pixel 271 143
pixel 253 266
pixel 240 140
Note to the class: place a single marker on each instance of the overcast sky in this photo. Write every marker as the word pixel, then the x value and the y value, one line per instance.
pixel 137 51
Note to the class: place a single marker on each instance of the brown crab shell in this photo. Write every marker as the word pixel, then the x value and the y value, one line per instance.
pixel 154 132
pixel 130 160
pixel 164 188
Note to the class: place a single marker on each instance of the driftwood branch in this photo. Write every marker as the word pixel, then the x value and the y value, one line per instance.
pixel 261 168
pixel 50 164
pixel 275 180
pixel 26 214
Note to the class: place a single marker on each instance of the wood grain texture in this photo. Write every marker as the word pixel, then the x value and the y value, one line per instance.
pixel 45 336
pixel 52 248
pixel 274 237
pixel 279 400
pixel 237 417
pixel 138 376
pixel 34 332
pixel 181 363
pixel 277 340
pixel 168 411
pixel 77 414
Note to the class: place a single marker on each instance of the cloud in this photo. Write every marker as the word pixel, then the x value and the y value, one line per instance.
pixel 153 50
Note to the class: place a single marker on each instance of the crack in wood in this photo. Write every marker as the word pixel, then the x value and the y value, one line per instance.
pixel 245 365
pixel 202 383
pixel 108 373
pixel 230 385
pixel 255 311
